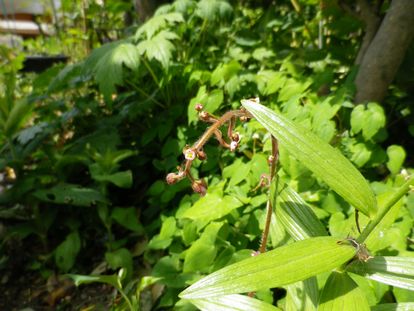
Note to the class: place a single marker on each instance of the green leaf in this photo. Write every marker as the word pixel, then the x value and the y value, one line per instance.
pixel 127 217
pixel 396 156
pixel 107 64
pixel 323 160
pixel 120 258
pixel 159 47
pixel 211 207
pixel 120 179
pixel 342 293
pixel 302 295
pixel 88 279
pixel 158 22
pixel 404 306
pixel 69 194
pixel 200 256
pixel 66 252
pixel 281 266
pixel 213 9
pixel 395 271
pixel 18 114
pixel 368 120
pixel 164 239
pixel 232 303
pixel 296 216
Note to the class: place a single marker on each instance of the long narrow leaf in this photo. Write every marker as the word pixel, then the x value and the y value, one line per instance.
pixel 232 303
pixel 323 160
pixel 296 216
pixel 342 293
pixel 281 266
pixel 302 296
pixel 393 270
pixel 405 306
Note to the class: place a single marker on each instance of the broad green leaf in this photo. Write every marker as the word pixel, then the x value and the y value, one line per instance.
pixel 128 218
pixel 211 207
pixel 213 9
pixel 164 239
pixel 302 296
pixel 403 306
pixel 200 256
pixel 66 252
pixel 159 47
pixel 342 293
pixel 70 195
pixel 158 22
pixel 107 64
pixel 296 216
pixel 396 156
pixel 281 266
pixel 232 303
pixel 269 81
pixel 323 160
pixel 368 120
pixel 393 270
pixel 120 179
pixel 120 258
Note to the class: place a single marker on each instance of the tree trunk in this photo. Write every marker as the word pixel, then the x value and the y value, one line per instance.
pixel 380 62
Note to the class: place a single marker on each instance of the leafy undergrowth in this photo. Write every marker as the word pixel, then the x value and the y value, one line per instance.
pixel 86 149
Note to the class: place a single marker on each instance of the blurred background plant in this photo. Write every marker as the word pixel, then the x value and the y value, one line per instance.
pixel 85 146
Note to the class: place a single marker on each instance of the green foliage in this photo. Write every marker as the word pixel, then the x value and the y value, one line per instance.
pixel 85 150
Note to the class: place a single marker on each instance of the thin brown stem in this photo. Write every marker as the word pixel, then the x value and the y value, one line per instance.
pixel 265 234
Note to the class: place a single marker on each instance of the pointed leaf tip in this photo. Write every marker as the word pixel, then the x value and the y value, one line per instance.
pixel 326 162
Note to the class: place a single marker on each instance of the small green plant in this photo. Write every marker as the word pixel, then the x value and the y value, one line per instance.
pixel 313 252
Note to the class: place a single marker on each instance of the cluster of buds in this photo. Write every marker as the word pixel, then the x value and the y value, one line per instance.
pixel 196 151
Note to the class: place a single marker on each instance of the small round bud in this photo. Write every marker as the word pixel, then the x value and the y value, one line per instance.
pixel 255 253
pixel 233 145
pixel 199 107
pixel 172 178
pixel 199 186
pixel 270 159
pixel 256 136
pixel 201 154
pixel 235 137
pixel 243 118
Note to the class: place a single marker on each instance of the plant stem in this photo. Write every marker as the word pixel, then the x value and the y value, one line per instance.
pixel 265 234
pixel 210 131
pixel 387 206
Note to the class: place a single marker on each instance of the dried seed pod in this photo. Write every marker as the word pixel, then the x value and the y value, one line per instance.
pixel 235 137
pixel 201 154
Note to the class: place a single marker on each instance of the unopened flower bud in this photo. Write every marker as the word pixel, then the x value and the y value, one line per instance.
pixel 235 137
pixel 172 178
pixel 204 116
pixel 255 253
pixel 199 186
pixel 201 154
pixel 199 107
pixel 270 159
pixel 243 118
pixel 233 145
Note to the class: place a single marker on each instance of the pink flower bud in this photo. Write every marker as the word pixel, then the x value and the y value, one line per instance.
pixel 235 137
pixel 200 187
pixel 199 107
pixel 172 178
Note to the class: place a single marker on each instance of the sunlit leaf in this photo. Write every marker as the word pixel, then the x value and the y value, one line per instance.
pixel 402 306
pixel 323 160
pixel 281 266
pixel 296 215
pixel 391 270
pixel 396 156
pixel 213 9
pixel 158 22
pixel 342 293
pixel 159 47
pixel 232 303
pixel 302 296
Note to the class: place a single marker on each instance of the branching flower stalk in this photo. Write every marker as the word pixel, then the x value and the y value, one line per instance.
pixel 196 151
